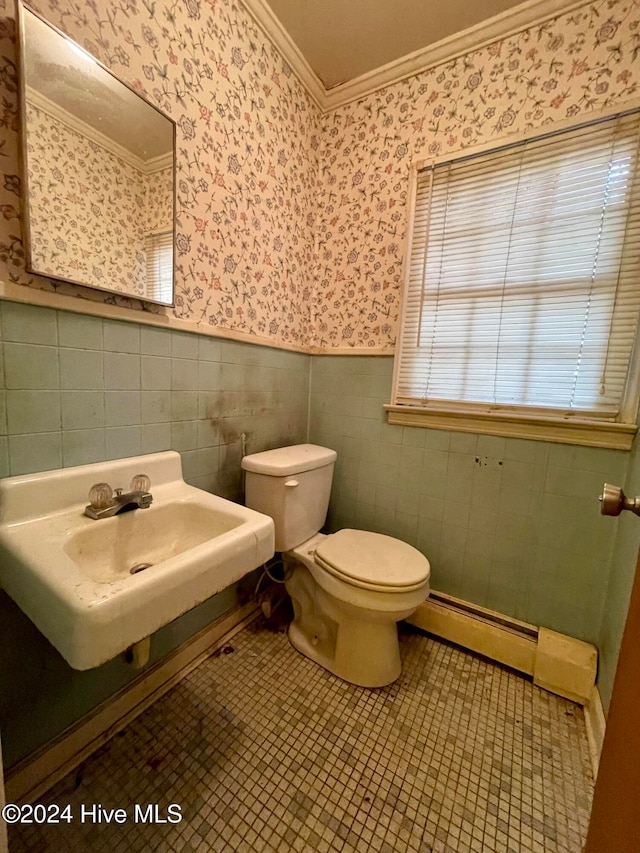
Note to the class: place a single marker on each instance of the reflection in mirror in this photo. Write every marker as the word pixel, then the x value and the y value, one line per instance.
pixel 98 171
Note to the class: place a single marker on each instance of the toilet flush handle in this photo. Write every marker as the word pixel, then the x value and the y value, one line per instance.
pixel 291 484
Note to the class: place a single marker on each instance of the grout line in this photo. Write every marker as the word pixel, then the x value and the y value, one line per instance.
pixel 309 398
pixel 263 749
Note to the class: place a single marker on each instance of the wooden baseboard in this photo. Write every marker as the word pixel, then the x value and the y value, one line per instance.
pixel 34 775
pixel 596 724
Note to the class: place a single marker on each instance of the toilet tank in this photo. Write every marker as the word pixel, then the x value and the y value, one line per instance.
pixel 292 485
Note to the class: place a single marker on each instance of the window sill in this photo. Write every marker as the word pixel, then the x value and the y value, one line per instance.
pixel 592 433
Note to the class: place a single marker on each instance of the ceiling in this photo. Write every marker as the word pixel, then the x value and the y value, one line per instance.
pixel 344 39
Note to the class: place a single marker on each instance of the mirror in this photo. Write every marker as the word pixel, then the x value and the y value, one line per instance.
pixel 98 171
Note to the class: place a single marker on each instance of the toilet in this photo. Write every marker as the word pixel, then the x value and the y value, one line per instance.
pixel 350 588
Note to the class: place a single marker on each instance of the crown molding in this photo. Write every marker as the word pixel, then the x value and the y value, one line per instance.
pixel 58 113
pixel 523 16
pixel 157 164
pixel 501 26
pixel 261 12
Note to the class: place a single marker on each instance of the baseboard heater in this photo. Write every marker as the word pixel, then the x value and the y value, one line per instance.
pixel 556 662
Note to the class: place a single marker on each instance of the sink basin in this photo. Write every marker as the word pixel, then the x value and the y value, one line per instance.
pixel 121 544
pixel 94 588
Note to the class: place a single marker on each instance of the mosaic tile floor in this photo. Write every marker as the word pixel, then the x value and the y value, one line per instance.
pixel 265 751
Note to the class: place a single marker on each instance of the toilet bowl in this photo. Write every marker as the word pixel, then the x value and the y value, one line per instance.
pixel 345 612
pixel 350 588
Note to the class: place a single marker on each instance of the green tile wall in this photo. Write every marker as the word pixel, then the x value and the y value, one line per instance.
pixel 509 524
pixel 77 389
pixel 620 580
pixel 512 525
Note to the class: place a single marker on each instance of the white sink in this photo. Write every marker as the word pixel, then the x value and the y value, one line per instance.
pixel 72 575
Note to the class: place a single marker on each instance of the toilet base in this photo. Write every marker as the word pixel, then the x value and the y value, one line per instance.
pixel 357 645
pixel 379 670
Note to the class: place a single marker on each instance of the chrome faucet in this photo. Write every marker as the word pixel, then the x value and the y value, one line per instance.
pixel 104 502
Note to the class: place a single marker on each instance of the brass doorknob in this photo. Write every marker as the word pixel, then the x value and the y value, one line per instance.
pixel 613 501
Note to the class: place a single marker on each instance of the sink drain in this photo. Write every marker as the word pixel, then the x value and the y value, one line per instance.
pixel 139 567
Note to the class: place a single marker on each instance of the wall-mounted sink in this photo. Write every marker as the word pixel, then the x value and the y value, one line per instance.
pixel 94 588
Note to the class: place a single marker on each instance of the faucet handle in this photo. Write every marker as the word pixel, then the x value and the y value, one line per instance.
pixel 100 495
pixel 140 483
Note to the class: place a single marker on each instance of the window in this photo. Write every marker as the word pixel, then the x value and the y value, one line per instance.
pixel 159 257
pixel 522 289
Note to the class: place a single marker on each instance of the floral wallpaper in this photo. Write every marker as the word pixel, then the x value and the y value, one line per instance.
pixel 247 156
pixel 565 68
pixel 291 225
pixel 158 202
pixel 87 208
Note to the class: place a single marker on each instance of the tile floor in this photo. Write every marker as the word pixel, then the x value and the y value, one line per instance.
pixel 265 751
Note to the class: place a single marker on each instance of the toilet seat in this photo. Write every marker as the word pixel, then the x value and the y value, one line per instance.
pixel 373 561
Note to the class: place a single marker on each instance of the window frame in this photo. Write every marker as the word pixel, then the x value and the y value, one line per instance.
pixel 159 240
pixel 514 421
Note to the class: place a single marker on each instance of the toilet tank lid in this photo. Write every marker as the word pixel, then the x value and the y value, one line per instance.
pixel 284 461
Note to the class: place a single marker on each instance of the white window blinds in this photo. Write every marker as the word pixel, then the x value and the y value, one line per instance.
pixel 159 258
pixel 523 283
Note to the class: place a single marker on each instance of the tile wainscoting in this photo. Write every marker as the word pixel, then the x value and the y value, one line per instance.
pixel 78 389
